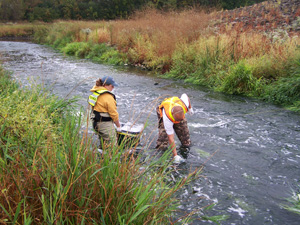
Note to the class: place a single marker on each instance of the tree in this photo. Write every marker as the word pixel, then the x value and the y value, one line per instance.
pixel 11 10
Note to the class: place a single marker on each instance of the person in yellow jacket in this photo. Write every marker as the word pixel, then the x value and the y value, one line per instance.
pixel 104 110
pixel 171 119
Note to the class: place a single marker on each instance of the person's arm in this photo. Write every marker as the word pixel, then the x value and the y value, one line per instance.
pixel 168 125
pixel 172 144
pixel 117 122
pixel 190 106
pixel 112 110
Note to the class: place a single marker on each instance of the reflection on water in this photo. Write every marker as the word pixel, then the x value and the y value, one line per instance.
pixel 249 149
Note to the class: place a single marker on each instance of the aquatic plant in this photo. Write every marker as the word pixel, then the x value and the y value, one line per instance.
pixel 294 205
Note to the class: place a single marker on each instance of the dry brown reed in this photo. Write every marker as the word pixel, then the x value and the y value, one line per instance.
pixel 157 32
pixel 15 30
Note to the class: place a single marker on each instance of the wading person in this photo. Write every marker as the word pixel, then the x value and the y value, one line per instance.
pixel 104 111
pixel 171 119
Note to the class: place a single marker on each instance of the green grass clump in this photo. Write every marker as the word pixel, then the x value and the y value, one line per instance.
pixel 286 90
pixel 60 34
pixel 239 81
pixel 7 86
pixel 78 49
pixel 203 62
pixel 113 57
pixel 40 33
pixel 96 52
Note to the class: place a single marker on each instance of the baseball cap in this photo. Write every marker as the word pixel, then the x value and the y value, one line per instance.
pixel 185 100
pixel 109 80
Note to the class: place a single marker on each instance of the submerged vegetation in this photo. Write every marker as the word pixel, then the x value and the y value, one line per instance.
pixel 52 173
pixel 294 205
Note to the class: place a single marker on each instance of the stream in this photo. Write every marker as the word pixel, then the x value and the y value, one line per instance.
pixel 250 150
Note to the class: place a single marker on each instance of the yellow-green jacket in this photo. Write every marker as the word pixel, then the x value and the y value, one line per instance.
pixel 106 102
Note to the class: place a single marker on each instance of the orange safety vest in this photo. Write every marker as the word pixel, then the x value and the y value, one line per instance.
pixel 168 105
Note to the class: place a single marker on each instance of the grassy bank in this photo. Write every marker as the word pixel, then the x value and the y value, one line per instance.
pixel 51 172
pixel 195 47
pixel 20 29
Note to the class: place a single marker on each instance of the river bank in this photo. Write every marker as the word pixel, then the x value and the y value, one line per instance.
pixel 227 55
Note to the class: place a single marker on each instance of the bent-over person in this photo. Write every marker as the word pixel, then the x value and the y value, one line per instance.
pixel 171 119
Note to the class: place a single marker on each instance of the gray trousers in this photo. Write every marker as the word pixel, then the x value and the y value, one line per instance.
pixel 106 132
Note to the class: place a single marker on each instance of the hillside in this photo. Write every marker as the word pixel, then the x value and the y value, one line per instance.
pixel 266 16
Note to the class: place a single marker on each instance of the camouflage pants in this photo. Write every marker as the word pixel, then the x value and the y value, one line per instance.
pixel 181 129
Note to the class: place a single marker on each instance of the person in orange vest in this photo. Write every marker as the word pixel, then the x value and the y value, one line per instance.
pixel 171 119
pixel 104 110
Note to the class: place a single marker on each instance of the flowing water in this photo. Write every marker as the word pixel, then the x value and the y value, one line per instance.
pixel 250 150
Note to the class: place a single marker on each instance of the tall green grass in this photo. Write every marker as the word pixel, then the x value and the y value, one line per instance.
pixel 100 53
pixel 52 173
pixel 286 90
pixel 240 80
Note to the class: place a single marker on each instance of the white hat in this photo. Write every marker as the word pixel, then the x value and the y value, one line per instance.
pixel 185 100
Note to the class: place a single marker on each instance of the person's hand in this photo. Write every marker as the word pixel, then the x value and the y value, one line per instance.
pixel 191 111
pixel 178 159
pixel 119 129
